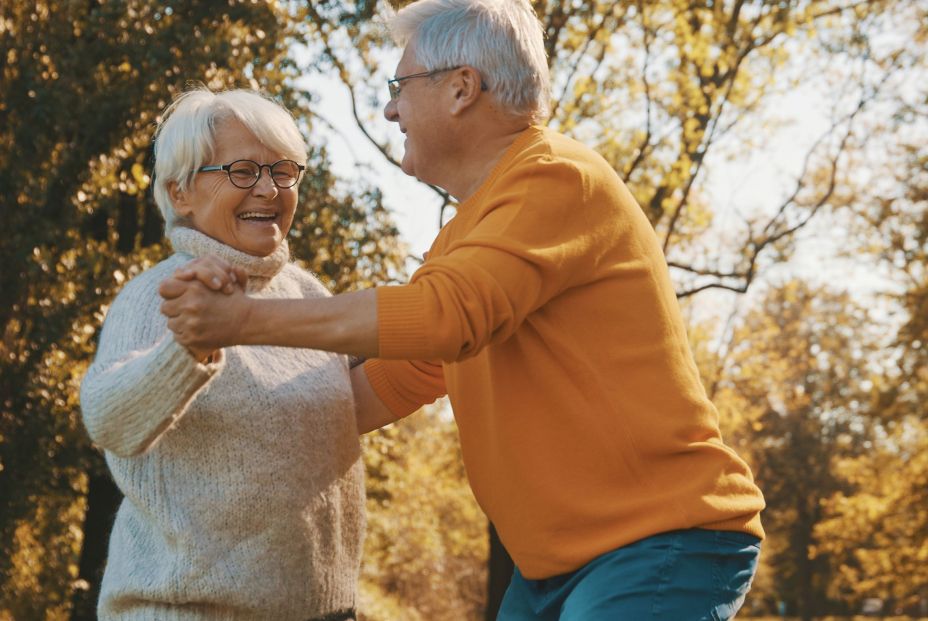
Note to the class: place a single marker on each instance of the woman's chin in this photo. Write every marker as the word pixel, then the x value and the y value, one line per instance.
pixel 260 247
pixel 260 239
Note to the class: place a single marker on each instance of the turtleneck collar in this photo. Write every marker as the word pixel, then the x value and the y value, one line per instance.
pixel 196 244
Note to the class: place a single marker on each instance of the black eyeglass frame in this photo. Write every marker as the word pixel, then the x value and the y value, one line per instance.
pixel 227 168
pixel 395 84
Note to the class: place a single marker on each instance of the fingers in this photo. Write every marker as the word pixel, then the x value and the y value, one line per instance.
pixel 214 273
pixel 241 276
pixel 172 291
pixel 180 295
pixel 172 288
pixel 202 320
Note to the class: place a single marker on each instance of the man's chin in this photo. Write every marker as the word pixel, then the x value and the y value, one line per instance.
pixel 407 167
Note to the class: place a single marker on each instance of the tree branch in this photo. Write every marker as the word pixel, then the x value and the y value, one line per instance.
pixel 770 231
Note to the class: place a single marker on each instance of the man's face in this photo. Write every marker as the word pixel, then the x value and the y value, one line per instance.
pixel 419 113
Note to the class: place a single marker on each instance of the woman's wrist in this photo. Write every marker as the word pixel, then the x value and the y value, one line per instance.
pixel 204 357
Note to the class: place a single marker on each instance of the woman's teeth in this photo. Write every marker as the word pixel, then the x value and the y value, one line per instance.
pixel 257 215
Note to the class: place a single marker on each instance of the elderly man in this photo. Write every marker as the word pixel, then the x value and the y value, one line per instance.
pixel 545 312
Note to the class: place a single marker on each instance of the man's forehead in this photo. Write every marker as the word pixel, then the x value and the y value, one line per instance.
pixel 408 59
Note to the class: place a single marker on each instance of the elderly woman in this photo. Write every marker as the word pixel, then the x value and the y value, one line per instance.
pixel 240 467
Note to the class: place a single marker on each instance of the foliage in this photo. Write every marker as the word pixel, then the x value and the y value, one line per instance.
pixel 877 532
pixel 426 548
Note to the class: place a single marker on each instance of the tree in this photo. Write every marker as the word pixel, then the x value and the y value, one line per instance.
pixel 876 533
pixel 80 88
pixel 799 374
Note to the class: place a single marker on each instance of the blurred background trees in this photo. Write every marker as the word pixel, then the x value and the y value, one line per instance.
pixel 806 286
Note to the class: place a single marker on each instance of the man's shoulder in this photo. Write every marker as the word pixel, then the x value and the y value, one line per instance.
pixel 547 141
pixel 549 148
pixel 551 169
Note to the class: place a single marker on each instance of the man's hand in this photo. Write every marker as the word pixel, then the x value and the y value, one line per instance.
pixel 206 305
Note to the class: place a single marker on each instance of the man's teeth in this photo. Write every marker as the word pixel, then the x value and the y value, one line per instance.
pixel 257 215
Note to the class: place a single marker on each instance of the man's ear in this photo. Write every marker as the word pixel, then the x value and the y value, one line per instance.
pixel 182 206
pixel 466 88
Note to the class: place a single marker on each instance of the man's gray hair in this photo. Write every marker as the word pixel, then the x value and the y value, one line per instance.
pixel 502 39
pixel 186 136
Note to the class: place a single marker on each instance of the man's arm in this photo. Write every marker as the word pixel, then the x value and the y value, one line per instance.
pixel 205 319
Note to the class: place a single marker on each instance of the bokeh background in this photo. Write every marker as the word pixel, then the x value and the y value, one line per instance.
pixel 779 148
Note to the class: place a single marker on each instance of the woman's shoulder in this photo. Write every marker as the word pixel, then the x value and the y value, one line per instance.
pixel 143 288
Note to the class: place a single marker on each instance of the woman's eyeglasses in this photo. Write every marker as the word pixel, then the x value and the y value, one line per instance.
pixel 246 173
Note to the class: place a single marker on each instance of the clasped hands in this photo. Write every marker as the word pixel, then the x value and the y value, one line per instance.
pixel 206 305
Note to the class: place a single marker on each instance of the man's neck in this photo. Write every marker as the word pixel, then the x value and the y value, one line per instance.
pixel 477 161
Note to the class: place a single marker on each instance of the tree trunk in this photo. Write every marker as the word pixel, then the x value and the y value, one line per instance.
pixel 103 498
pixel 500 566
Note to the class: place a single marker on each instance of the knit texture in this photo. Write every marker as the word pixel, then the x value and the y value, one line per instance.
pixel 243 481
pixel 545 310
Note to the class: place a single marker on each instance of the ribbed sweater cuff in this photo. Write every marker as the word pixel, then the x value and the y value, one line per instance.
pixel 401 323
pixel 380 382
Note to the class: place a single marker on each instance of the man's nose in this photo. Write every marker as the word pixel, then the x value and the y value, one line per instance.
pixel 390 112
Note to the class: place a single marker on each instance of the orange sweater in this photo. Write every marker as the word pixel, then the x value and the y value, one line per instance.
pixel 546 312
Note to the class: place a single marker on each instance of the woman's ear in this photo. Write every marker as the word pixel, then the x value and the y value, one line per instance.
pixel 179 200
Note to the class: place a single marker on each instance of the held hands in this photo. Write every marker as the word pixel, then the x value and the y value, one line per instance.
pixel 206 305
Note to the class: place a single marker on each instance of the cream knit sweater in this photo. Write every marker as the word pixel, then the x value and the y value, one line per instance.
pixel 243 481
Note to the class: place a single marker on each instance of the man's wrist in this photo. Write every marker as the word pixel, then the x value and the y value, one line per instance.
pixel 250 326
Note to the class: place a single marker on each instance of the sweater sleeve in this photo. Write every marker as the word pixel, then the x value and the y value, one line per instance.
pixel 406 385
pixel 141 380
pixel 533 236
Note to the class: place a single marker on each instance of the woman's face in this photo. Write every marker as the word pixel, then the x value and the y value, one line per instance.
pixel 254 220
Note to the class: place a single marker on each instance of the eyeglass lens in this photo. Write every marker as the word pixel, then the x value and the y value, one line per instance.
pixel 245 173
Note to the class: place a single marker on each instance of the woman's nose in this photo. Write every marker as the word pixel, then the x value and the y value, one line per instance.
pixel 265 187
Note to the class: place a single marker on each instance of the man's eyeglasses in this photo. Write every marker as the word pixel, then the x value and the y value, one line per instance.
pixel 246 173
pixel 395 84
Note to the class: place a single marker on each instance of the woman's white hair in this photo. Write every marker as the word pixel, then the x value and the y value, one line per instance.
pixel 502 39
pixel 186 136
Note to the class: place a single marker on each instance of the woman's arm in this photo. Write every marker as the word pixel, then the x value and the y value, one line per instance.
pixel 141 380
pixel 370 412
